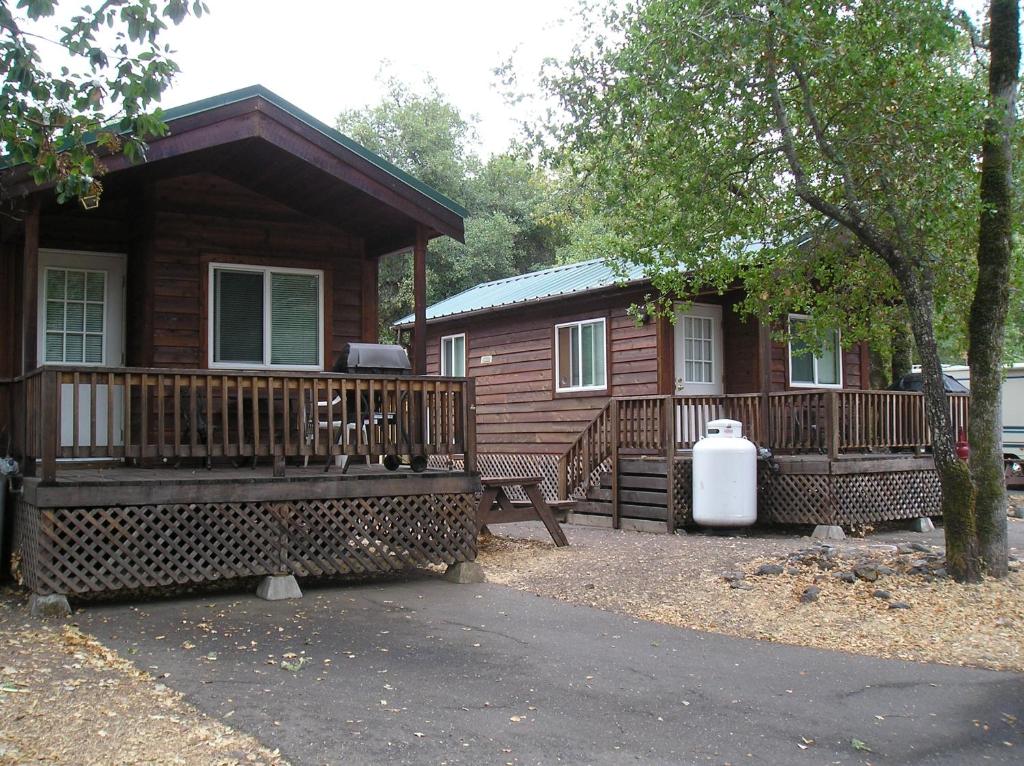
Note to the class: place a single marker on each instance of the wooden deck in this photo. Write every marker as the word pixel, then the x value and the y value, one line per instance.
pixel 151 478
pixel 107 529
pixel 837 457
pixel 95 485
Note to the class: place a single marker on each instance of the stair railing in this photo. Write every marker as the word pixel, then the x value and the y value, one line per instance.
pixel 588 453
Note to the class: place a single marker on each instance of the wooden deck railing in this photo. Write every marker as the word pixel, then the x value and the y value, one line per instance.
pixel 818 421
pixel 170 415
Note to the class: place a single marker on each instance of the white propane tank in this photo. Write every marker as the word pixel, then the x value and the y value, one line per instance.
pixel 724 477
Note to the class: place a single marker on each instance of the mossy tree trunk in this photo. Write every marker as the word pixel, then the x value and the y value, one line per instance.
pixel 991 296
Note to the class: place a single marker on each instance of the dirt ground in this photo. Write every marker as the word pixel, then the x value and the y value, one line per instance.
pixel 66 699
pixel 708 582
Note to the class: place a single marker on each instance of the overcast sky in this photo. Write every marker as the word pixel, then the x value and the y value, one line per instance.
pixel 325 56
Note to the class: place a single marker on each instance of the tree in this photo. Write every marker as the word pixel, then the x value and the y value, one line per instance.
pixel 821 152
pixel 512 226
pixel 991 292
pixel 102 98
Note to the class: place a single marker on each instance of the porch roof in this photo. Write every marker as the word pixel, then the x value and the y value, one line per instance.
pixel 255 138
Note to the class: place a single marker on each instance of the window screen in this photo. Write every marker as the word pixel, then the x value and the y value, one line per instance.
pixel 295 319
pixel 238 312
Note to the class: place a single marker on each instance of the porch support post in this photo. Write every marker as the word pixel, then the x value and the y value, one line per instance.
pixel 370 293
pixel 614 414
pixel 666 356
pixel 669 431
pixel 419 271
pixel 30 288
pixel 764 359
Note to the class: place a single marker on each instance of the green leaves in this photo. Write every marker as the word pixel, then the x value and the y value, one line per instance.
pixel 668 115
pixel 55 119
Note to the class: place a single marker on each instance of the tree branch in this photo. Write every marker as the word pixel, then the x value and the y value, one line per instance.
pixel 826 146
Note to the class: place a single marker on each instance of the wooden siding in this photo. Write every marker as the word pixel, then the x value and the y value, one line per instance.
pixel 518 411
pixel 203 219
pixel 517 408
pixel 175 228
pixel 742 361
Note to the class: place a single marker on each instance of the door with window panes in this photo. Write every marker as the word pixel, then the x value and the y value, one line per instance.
pixel 81 323
pixel 698 350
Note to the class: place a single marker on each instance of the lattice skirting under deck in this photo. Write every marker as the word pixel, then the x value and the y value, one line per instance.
pixel 842 499
pixel 91 550
pixel 507 464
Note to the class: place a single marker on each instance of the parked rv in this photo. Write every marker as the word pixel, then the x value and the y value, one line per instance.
pixel 1013 416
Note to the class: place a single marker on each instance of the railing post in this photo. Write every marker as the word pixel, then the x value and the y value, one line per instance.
pixel 563 476
pixel 614 414
pixel 832 436
pixel 469 426
pixel 669 436
pixel 49 425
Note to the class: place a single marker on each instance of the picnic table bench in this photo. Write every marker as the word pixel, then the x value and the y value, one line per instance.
pixel 497 508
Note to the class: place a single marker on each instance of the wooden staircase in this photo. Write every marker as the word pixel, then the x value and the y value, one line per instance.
pixel 643 486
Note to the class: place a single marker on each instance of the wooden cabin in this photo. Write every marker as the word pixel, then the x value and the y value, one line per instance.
pixel 571 386
pixel 166 364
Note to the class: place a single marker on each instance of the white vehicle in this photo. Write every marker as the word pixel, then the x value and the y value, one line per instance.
pixel 1013 415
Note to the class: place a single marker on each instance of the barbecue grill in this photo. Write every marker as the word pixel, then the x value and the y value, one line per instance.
pixel 376 359
pixel 373 359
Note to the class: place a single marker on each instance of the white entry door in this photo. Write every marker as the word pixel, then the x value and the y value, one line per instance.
pixel 698 350
pixel 81 323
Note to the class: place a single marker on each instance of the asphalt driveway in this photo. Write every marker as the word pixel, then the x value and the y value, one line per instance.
pixel 421 671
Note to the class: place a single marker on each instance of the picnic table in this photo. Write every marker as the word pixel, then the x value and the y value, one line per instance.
pixel 496 507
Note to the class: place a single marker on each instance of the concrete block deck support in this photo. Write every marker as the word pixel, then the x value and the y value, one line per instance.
pixel 54 605
pixel 278 587
pixel 828 532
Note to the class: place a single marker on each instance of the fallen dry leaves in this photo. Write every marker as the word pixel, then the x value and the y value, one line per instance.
pixel 67 699
pixel 681 584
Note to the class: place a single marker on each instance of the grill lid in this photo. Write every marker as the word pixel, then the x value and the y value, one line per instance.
pixel 373 357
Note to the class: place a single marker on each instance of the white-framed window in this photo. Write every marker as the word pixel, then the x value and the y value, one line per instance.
pixel 74 315
pixel 266 317
pixel 453 355
pixel 698 345
pixel 810 368
pixel 580 356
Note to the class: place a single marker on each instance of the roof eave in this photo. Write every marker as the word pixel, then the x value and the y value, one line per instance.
pixel 406 325
pixel 446 216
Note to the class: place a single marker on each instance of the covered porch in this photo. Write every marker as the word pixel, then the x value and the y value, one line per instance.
pixel 168 388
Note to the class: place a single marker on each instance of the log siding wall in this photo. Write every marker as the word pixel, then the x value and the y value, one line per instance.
pixel 178 227
pixel 518 411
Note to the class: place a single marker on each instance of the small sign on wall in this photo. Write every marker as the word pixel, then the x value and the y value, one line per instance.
pixel 486 359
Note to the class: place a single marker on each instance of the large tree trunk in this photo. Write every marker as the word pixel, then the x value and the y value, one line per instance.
pixel 991 295
pixel 963 555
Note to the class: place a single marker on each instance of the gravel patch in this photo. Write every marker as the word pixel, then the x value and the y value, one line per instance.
pixel 67 699
pixel 811 595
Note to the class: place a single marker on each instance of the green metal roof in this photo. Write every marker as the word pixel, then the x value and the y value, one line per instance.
pixel 252 91
pixel 531 288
